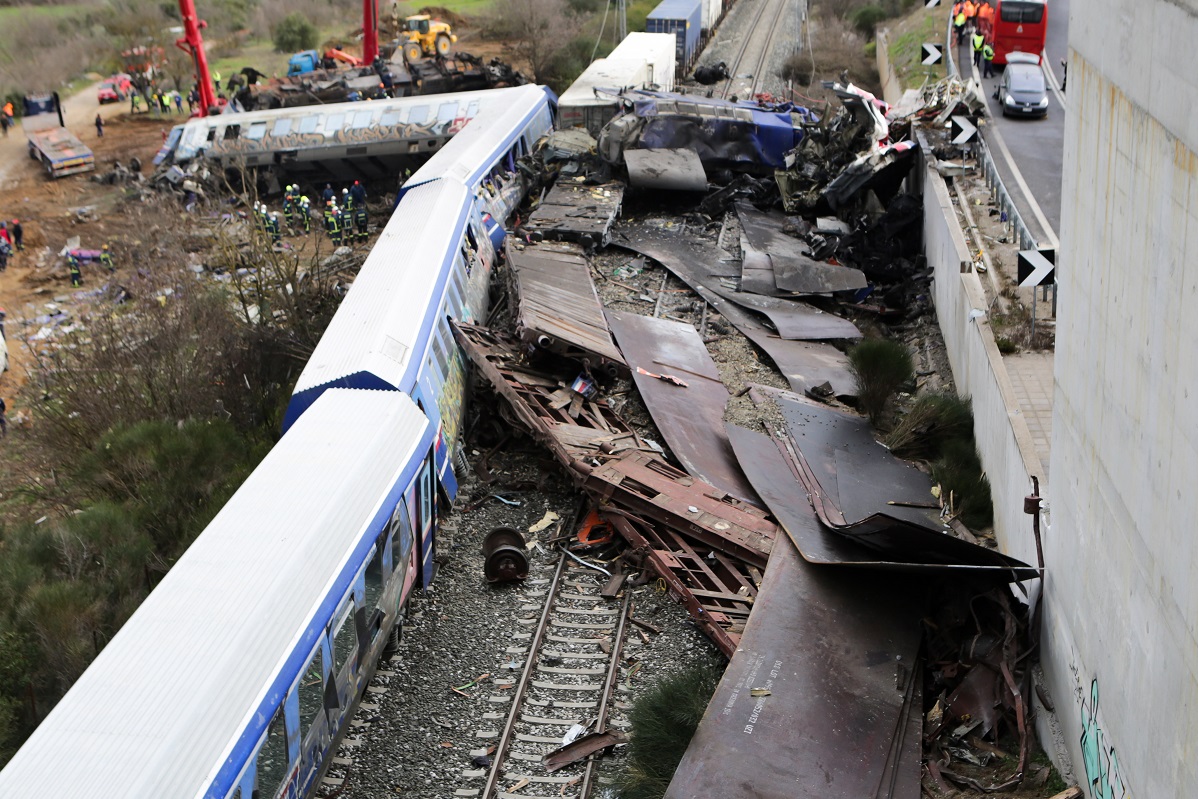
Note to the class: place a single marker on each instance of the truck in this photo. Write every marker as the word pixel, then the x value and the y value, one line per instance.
pixel 50 143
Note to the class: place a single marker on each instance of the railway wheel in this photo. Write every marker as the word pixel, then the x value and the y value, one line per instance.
pixel 442 45
pixel 411 51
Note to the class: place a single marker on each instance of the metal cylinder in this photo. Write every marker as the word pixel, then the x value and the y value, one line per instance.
pixel 504 556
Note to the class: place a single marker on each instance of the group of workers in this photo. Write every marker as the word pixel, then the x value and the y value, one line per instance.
pixel 970 17
pixel 75 259
pixel 346 219
pixel 976 21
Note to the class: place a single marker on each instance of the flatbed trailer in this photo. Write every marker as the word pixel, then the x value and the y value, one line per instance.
pixel 59 151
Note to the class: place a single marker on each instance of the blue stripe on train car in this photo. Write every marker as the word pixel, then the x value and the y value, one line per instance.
pixel 247 743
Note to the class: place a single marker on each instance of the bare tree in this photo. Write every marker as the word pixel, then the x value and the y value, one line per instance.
pixel 536 31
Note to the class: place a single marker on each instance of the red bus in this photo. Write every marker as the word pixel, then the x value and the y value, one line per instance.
pixel 1019 25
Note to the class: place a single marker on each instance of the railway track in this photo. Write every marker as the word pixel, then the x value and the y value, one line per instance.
pixel 571 650
pixel 754 52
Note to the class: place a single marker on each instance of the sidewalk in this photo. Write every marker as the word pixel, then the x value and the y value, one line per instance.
pixel 1031 375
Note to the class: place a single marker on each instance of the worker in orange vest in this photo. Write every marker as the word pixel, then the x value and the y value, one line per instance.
pixel 971 11
pixel 985 18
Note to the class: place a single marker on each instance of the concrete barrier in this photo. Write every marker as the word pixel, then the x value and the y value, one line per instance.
pixel 1004 442
pixel 892 87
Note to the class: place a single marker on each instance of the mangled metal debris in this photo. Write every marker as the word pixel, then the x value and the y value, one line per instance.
pixel 746 137
pixel 672 170
pixel 827 672
pixel 556 307
pixel 775 261
pixel 575 211
pixel 691 417
pixel 805 365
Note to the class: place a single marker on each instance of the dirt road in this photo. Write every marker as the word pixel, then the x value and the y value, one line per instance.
pixel 44 207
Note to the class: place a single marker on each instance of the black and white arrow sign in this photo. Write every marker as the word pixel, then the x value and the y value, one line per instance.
pixel 1036 267
pixel 931 54
pixel 931 3
pixel 963 131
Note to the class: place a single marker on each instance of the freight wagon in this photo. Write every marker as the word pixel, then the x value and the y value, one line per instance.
pixel 684 19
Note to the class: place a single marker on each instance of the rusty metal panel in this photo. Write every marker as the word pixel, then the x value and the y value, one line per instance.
pixel 645 485
pixel 821 698
pixel 690 416
pixel 534 399
pixel 557 307
pixel 803 364
pixel 775 477
pixel 718 593
pixel 574 212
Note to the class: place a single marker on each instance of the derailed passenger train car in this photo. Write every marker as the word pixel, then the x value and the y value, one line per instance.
pixel 241 670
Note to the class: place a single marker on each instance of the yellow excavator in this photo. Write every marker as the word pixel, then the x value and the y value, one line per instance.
pixel 426 37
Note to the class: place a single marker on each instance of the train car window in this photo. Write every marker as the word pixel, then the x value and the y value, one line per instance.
pixel 418 115
pixel 256 131
pixel 232 132
pixel 272 759
pixel 401 535
pixel 333 123
pixel 374 576
pixel 391 117
pixel 441 350
pixel 472 109
pixel 470 237
pixel 345 638
pixel 426 496
pixel 211 134
pixel 446 112
pixel 282 127
pixel 362 119
pixel 309 123
pixel 311 693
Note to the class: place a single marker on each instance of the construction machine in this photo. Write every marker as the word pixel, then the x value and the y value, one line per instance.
pixel 426 37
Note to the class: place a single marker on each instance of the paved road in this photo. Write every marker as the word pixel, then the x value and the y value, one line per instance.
pixel 1035 145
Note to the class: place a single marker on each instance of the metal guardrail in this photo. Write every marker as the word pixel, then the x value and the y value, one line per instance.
pixel 998 190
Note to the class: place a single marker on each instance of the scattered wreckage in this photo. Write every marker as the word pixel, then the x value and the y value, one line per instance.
pixel 801 546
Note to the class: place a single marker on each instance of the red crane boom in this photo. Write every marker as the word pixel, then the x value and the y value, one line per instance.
pixel 193 44
pixel 370 31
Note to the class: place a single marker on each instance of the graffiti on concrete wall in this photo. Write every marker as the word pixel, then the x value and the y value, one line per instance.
pixel 1100 759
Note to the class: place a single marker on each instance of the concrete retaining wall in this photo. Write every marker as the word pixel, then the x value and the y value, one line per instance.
pixel 1121 623
pixel 1006 447
pixel 892 87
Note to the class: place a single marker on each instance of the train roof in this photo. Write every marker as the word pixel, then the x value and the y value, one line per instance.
pixel 173 704
pixel 389 311
pixel 473 150
pixel 608 73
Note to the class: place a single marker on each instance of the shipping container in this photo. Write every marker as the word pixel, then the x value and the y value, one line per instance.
pixel 684 19
pixel 712 10
pixel 657 49
pixel 581 106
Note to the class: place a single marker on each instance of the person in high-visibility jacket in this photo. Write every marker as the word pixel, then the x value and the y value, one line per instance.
pixel 305 213
pixel 988 59
pixel 979 42
pixel 332 223
pixel 361 221
pixel 272 227
pixel 959 22
pixel 985 18
pixel 106 259
pixel 289 205
pixel 73 267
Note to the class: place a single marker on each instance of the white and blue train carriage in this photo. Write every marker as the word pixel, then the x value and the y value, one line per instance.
pixel 239 673
pixel 483 154
pixel 433 261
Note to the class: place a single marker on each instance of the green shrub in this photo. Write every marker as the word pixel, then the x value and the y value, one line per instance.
pixel 963 484
pixel 864 20
pixel 1005 345
pixel 881 368
pixel 933 420
pixel 664 720
pixel 294 32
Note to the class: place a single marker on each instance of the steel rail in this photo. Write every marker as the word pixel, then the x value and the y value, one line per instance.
pixel 744 45
pixel 609 688
pixel 534 650
pixel 768 49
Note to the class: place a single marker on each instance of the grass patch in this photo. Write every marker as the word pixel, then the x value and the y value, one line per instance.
pixel 906 37
pixel 881 367
pixel 932 420
pixel 664 720
pixel 963 484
